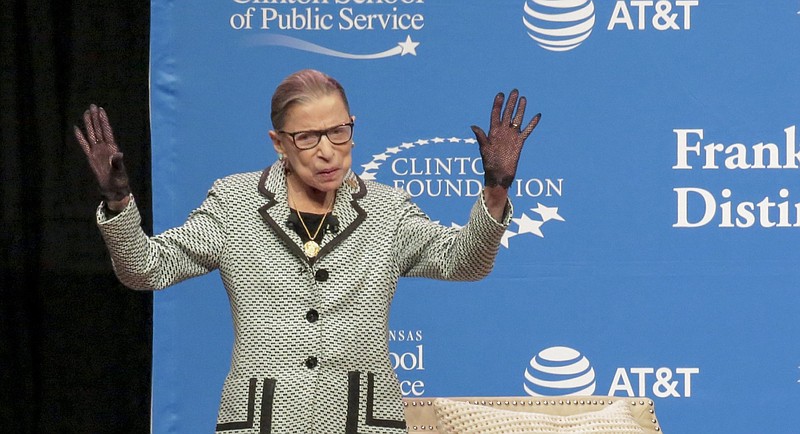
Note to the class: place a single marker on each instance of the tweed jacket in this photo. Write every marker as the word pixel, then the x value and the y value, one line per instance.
pixel 310 351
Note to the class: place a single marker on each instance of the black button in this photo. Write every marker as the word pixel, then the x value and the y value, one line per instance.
pixel 321 275
pixel 311 362
pixel 312 315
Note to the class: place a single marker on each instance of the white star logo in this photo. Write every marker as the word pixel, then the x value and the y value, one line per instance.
pixel 529 226
pixel 506 236
pixel 547 212
pixel 408 47
pixel 402 48
pixel 371 165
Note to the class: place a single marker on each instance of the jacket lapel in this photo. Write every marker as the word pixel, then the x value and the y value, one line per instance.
pixel 275 212
pixel 347 211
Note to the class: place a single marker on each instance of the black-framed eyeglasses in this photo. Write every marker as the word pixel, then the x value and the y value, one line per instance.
pixel 338 135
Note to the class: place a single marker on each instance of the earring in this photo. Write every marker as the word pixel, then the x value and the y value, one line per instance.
pixel 280 156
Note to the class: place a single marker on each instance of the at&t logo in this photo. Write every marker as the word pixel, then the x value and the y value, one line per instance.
pixel 562 25
pixel 661 382
pixel 558 371
pixel 559 25
pixel 563 371
pixel 658 15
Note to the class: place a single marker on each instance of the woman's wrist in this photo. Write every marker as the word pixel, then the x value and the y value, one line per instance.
pixel 117 206
pixel 496 198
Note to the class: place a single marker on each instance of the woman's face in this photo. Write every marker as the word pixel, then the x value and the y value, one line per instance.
pixel 323 167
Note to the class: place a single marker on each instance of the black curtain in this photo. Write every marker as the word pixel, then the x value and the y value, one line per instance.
pixel 75 345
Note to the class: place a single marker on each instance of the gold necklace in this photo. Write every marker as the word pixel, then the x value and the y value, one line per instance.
pixel 311 248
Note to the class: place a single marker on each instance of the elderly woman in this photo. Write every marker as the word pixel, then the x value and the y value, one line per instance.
pixel 310 255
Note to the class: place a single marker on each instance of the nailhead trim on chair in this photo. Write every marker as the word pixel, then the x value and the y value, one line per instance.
pixel 538 402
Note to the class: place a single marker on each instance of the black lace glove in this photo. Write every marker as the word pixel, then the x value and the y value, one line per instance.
pixel 103 154
pixel 501 149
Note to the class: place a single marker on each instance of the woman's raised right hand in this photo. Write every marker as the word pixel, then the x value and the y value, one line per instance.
pixel 104 157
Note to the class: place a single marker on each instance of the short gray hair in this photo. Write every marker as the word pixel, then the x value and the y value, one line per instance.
pixel 302 87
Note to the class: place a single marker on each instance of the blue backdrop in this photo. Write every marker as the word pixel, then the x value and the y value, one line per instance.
pixel 657 207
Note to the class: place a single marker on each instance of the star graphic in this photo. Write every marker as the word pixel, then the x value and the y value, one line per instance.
pixel 470 141
pixel 371 165
pixel 437 140
pixel 421 142
pixel 408 47
pixel 547 212
pixel 529 226
pixel 506 235
pixel 407 145
pixel 380 157
pixel 453 140
pixel 394 150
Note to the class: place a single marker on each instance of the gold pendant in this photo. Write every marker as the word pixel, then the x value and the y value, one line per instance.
pixel 311 248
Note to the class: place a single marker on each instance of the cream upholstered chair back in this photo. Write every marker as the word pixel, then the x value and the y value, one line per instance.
pixel 421 416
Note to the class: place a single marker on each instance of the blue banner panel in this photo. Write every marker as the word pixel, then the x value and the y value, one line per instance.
pixel 656 206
